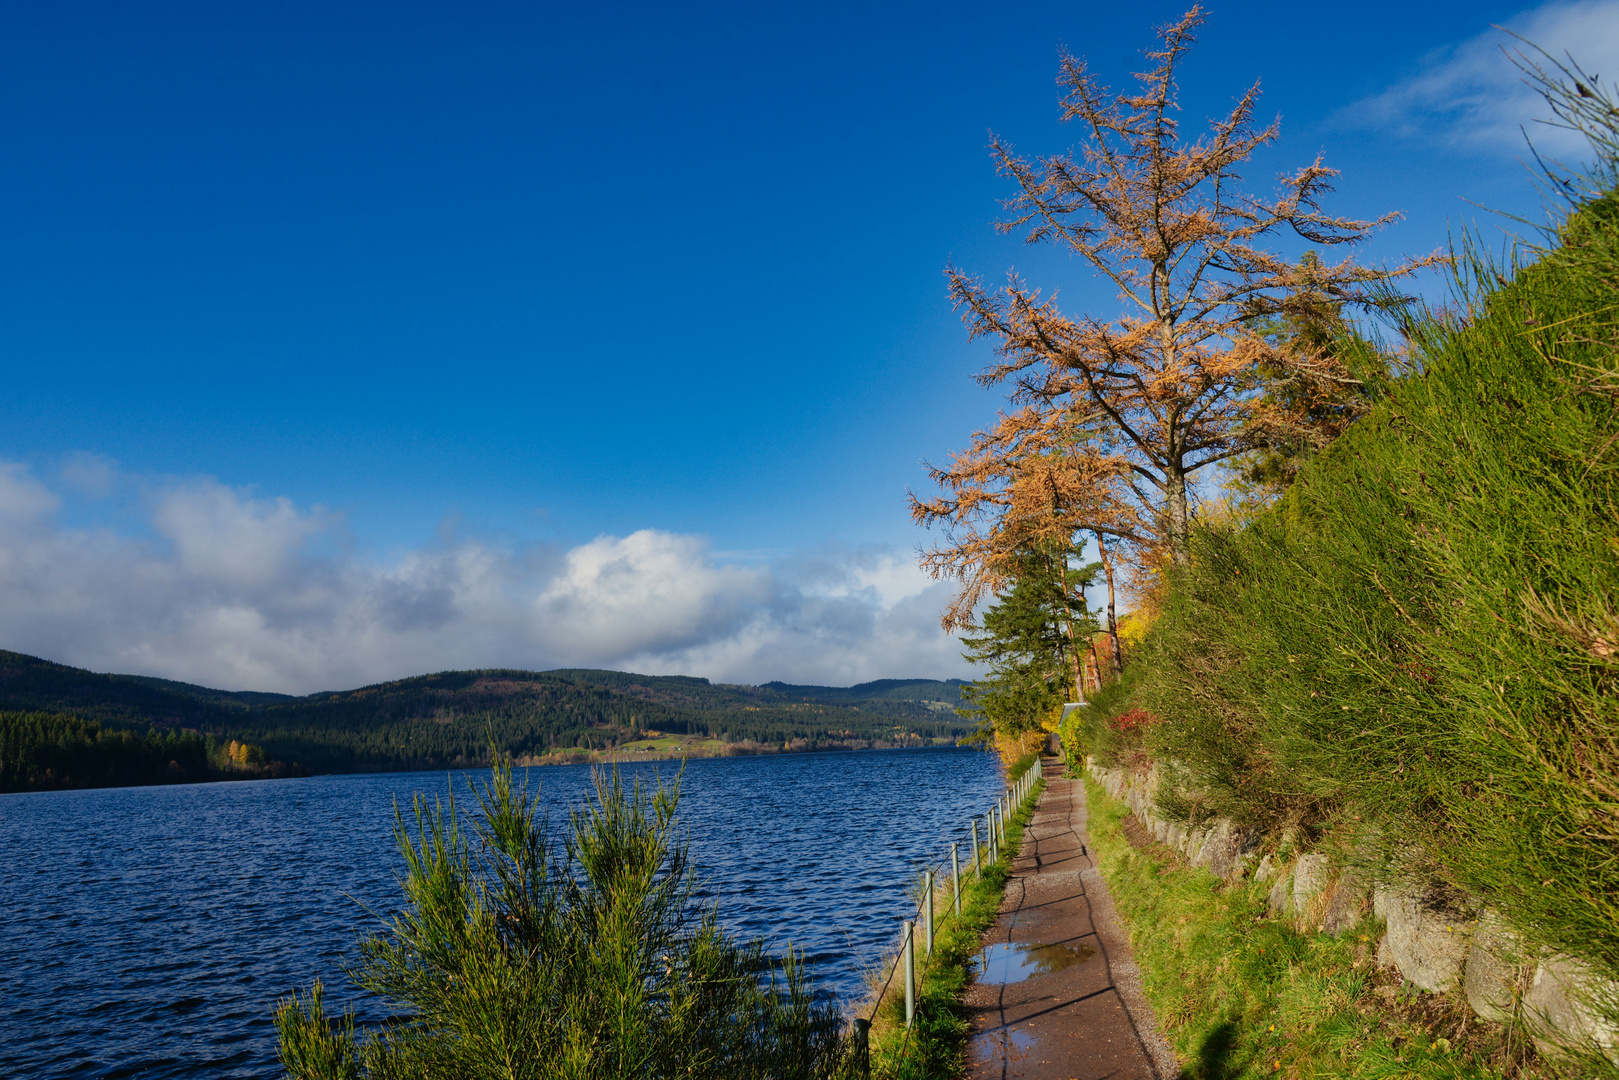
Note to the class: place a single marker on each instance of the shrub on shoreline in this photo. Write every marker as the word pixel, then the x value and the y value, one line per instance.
pixel 518 957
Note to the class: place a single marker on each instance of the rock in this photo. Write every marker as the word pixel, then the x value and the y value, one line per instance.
pixel 1267 867
pixel 1490 976
pixel 1570 1007
pixel 1344 908
pixel 1427 945
pixel 1245 847
pixel 1309 878
pixel 1224 851
pixel 1281 896
pixel 1194 846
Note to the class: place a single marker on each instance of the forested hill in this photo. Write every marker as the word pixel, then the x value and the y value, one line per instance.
pixel 947 692
pixel 452 717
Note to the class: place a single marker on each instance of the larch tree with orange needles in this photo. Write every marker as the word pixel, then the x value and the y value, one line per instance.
pixel 1113 418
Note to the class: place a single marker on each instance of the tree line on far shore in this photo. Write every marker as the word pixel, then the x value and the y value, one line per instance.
pixel 44 751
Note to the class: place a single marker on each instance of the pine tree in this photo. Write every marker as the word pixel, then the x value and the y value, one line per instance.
pixel 1032 640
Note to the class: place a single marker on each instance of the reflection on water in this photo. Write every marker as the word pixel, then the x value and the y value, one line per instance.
pixel 150 931
pixel 1013 962
pixel 1001 1044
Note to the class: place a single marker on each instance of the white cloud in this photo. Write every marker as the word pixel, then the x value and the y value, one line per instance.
pixel 23 499
pixel 222 538
pixel 90 474
pixel 218 587
pixel 1471 95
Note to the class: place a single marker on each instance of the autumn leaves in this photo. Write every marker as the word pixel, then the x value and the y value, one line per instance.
pixel 1223 352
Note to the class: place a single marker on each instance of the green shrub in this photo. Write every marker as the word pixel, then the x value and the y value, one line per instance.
pixel 1419 644
pixel 1089 730
pixel 513 958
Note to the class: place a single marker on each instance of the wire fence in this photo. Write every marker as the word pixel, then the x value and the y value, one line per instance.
pixel 1017 794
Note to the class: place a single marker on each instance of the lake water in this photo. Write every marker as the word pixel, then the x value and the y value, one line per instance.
pixel 150 931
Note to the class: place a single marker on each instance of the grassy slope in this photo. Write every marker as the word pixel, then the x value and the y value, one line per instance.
pixel 1417 648
pixel 1242 995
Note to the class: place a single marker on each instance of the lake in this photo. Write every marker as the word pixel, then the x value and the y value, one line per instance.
pixel 150 931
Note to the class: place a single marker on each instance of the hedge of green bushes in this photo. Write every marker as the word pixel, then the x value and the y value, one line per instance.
pixel 1418 646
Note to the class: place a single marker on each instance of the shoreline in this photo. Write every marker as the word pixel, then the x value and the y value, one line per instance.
pixel 526 762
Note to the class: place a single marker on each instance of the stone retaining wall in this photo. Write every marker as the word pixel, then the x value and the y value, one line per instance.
pixel 1469 954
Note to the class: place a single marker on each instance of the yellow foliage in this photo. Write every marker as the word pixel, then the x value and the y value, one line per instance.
pixel 1133 627
pixel 1013 747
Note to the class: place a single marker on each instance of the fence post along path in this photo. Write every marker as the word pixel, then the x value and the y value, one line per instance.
pixel 1056 994
pixel 984 855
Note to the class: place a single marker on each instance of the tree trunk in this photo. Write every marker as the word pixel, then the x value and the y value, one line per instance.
pixel 1178 517
pixel 1073 634
pixel 1112 619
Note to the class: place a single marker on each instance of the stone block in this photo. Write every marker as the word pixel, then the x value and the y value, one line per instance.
pixel 1226 850
pixel 1346 904
pixel 1281 896
pixel 1490 976
pixel 1572 1009
pixel 1427 945
pixel 1309 878
pixel 1267 868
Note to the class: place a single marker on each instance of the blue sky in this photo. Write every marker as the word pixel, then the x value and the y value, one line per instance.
pixel 344 341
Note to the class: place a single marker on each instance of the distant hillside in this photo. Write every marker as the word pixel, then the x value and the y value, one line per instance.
pixel 29 684
pixel 948 691
pixel 450 718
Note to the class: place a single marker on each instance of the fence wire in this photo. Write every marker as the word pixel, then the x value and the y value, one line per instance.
pixel 927 901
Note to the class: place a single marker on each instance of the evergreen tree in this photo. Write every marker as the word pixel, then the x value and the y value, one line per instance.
pixel 1031 639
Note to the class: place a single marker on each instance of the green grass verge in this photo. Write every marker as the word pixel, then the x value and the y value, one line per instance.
pixel 936 1043
pixel 1240 994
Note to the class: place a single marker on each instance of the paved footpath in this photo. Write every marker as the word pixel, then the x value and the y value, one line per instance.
pixel 1058 994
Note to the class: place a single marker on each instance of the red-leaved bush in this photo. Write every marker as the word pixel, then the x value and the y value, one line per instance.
pixel 1132 720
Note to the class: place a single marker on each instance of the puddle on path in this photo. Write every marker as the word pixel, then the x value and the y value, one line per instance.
pixel 1002 1044
pixel 1010 963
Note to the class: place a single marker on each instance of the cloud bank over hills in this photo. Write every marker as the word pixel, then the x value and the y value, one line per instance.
pixel 211 584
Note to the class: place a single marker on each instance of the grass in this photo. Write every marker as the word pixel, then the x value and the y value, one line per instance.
pixel 1242 995
pixel 936 1043
pixel 694 744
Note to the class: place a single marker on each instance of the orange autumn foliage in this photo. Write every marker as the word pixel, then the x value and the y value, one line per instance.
pixel 1110 419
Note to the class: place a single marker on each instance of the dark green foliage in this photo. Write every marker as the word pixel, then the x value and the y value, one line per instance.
pixel 53 750
pixel 1091 732
pixel 1026 639
pixel 516 958
pixel 945 690
pixel 29 684
pixel 1419 644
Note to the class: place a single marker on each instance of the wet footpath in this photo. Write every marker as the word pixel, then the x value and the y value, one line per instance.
pixel 1058 994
